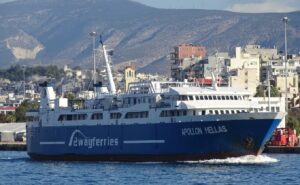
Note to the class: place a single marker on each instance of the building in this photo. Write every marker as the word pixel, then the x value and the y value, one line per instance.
pixel 217 64
pixel 244 60
pixel 129 76
pixel 7 109
pixel 292 88
pixel 244 69
pixel 265 54
pixel 184 57
pixel 244 79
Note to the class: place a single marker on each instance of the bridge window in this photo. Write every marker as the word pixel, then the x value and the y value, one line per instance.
pixel 97 116
pixel 115 115
pixel 32 119
pixel 135 115
pixel 173 113
pixel 72 117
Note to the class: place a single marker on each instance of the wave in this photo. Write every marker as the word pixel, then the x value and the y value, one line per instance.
pixel 248 159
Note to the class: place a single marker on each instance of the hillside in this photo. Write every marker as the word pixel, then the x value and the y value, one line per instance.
pixel 57 31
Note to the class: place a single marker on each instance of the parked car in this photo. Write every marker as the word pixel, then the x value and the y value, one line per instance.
pixel 20 136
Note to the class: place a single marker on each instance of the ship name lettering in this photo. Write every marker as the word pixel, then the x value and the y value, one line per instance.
pixel 78 139
pixel 94 142
pixel 191 131
pixel 215 129
pixel 204 130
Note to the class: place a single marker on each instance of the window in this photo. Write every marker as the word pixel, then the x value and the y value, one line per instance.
pixel 135 115
pixel 214 97
pixel 197 97
pixel 191 98
pixel 97 116
pixel 173 113
pixel 219 97
pixel 183 98
pixel 223 97
pixel 201 98
pixel 210 97
pixel 32 119
pixel 115 115
pixel 72 117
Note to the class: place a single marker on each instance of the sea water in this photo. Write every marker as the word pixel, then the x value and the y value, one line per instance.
pixel 18 168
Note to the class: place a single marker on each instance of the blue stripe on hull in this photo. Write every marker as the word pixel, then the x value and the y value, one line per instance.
pixel 150 142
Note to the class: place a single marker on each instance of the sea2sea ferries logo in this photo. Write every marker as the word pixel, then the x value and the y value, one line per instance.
pixel 78 139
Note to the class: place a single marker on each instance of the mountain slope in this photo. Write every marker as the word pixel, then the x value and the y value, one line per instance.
pixel 56 31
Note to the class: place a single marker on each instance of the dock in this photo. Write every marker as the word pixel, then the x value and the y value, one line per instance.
pixel 12 146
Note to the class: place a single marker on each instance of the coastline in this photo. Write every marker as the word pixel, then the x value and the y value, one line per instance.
pixel 13 146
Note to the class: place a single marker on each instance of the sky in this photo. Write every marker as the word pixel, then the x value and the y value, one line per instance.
pixel 246 6
pixel 249 6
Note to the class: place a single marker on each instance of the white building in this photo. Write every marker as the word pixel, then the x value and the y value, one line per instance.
pixel 246 69
pixel 244 79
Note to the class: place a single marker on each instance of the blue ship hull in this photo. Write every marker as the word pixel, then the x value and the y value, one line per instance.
pixel 150 142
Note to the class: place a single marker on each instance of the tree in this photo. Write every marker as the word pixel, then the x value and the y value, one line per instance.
pixel 7 118
pixel 11 117
pixel 260 91
pixel 274 92
pixel 23 108
pixel 70 96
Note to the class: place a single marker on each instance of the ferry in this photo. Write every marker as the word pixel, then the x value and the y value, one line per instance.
pixel 152 121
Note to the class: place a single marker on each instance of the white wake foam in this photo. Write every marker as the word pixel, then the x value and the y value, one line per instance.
pixel 248 159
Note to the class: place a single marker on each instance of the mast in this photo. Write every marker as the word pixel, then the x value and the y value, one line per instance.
pixel 108 69
pixel 93 35
pixel 269 88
